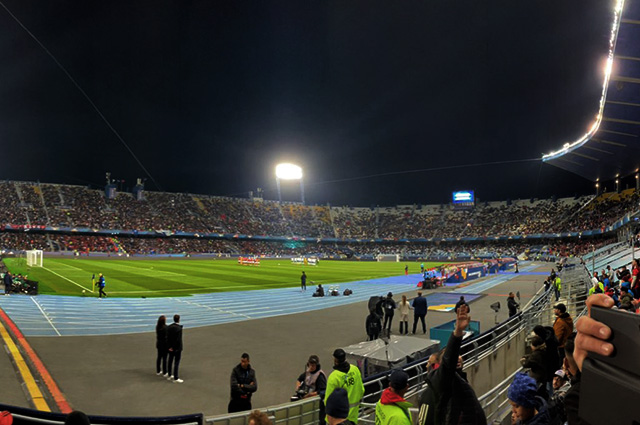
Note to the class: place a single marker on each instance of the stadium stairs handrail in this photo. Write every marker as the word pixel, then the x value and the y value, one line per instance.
pixel 24 415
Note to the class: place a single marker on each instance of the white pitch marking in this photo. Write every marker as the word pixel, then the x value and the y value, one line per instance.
pixel 66 278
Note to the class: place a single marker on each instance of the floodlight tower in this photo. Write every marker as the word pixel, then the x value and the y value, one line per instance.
pixel 289 172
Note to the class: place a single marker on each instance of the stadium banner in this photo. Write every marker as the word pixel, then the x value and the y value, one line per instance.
pixel 464 272
pixel 306 261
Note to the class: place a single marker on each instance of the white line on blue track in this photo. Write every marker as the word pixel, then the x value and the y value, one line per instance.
pixel 51 315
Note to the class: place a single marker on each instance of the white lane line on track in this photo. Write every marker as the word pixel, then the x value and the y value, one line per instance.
pixel 212 308
pixel 67 279
pixel 45 316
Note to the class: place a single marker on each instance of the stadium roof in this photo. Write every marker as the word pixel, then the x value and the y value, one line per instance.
pixel 611 148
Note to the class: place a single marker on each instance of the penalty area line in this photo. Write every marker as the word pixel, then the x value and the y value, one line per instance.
pixel 67 279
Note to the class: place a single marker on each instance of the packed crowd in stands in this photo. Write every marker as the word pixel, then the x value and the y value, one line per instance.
pixel 147 245
pixel 36 204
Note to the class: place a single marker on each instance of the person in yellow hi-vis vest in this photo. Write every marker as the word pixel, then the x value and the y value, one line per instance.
pixel 392 408
pixel 557 286
pixel 346 376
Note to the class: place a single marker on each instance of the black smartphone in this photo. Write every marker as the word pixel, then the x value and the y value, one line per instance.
pixel 613 379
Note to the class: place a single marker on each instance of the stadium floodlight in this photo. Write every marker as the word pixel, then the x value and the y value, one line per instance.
pixel 286 171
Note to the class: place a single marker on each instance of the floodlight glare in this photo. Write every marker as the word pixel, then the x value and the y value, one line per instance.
pixel 288 172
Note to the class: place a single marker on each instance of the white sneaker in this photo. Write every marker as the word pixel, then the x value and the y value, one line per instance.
pixel 179 381
pixel 166 375
pixel 170 378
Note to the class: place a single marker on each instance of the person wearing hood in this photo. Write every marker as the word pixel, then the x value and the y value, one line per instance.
pixel 346 376
pixel 392 408
pixel 563 327
pixel 561 384
pixel 448 398
pixel 389 310
pixel 537 363
pixel 552 359
pixel 372 325
pixel 527 408
pixel 313 382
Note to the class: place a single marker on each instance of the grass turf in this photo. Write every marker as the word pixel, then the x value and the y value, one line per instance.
pixel 179 277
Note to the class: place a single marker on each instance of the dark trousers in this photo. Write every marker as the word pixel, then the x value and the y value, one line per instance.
pixel 388 318
pixel 239 405
pixel 174 356
pixel 406 327
pixel 161 360
pixel 415 322
pixel 101 293
pixel 557 293
pixel 303 286
pixel 373 337
pixel 561 354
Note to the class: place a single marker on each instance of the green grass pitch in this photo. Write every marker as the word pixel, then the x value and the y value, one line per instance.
pixel 180 276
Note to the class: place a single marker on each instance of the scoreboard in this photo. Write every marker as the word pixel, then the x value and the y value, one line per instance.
pixel 463 199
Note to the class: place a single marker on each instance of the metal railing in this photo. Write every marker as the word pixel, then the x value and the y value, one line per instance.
pixel 575 282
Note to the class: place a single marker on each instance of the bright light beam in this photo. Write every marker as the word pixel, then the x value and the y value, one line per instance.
pixel 287 171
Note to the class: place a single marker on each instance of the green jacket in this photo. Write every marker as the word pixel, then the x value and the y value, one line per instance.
pixel 350 381
pixel 392 409
pixel 592 290
pixel 558 283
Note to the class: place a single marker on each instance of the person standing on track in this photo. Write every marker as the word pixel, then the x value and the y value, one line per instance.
pixel 161 346
pixel 303 282
pixel 420 307
pixel 243 385
pixel 174 340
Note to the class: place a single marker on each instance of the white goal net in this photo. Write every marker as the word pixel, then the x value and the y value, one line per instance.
pixel 388 257
pixel 34 258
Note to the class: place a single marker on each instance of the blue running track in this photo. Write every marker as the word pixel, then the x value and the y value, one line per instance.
pixel 50 315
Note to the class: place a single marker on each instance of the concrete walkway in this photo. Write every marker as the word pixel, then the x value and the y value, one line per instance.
pixel 115 374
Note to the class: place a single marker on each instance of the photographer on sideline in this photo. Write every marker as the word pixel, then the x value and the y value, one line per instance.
pixel 311 383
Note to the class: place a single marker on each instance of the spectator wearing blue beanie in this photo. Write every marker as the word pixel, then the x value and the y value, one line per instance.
pixel 527 407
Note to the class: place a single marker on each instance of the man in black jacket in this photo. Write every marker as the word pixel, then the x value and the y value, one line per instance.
pixel 174 341
pixel 512 305
pixel 243 385
pixel 552 359
pixel 449 399
pixel 420 308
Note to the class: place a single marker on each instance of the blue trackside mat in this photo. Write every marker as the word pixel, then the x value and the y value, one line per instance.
pixel 446 301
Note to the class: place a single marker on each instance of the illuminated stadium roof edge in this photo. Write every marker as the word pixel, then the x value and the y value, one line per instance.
pixel 611 146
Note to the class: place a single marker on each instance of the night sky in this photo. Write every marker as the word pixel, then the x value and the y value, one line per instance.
pixel 210 95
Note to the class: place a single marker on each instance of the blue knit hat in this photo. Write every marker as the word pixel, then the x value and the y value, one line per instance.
pixel 337 404
pixel 523 391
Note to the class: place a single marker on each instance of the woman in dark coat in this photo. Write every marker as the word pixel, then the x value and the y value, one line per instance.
pixel 162 346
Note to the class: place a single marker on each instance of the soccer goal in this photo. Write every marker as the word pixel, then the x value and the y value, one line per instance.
pixel 388 257
pixel 34 258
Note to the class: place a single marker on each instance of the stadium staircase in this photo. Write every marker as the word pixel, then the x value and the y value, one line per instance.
pixel 559 224
pixel 117 245
pixel 200 205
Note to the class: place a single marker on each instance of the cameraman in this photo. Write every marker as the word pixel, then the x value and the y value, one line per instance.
pixel 311 383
